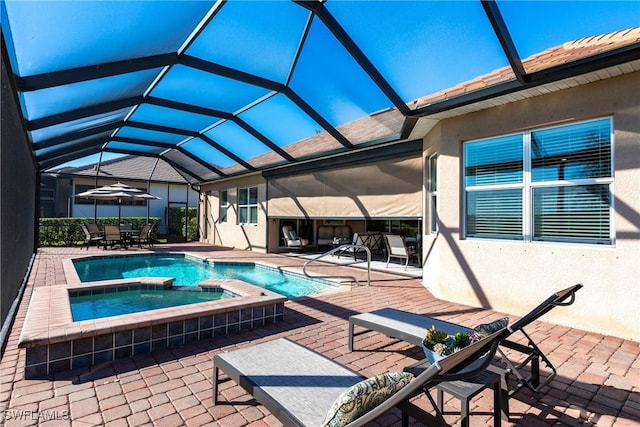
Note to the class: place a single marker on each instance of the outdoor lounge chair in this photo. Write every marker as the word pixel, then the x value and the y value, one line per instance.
pixel 412 328
pixel 343 233
pixel 291 238
pixel 300 386
pixel 396 248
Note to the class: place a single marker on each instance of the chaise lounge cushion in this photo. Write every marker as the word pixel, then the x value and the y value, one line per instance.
pixel 364 396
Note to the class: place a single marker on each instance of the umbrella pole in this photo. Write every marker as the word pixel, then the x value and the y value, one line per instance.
pixel 119 210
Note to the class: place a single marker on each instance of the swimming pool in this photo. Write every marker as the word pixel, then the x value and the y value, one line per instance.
pixel 62 343
pixel 190 271
pixel 105 302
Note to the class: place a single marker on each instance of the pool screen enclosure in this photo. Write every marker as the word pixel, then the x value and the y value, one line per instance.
pixel 225 88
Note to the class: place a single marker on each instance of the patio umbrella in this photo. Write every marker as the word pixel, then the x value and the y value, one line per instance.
pixel 119 192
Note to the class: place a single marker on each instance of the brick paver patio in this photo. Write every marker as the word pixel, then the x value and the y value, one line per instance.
pixel 598 378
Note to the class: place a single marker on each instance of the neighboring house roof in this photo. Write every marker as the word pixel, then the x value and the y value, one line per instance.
pixel 129 167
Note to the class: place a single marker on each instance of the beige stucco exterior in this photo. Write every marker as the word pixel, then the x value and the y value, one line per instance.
pixel 513 276
pixel 230 233
pixel 507 276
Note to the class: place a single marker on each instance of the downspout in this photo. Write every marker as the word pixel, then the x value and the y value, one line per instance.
pixel 266 203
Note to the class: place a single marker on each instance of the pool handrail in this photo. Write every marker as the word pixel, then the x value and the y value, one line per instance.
pixel 334 250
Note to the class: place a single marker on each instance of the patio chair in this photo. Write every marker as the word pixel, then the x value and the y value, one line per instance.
pixel 89 237
pixel 291 238
pixel 396 248
pixel 326 233
pixel 301 387
pixel 357 240
pixel 343 233
pixel 94 230
pixel 411 327
pixel 112 236
pixel 143 236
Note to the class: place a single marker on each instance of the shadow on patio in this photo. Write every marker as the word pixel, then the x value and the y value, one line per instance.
pixel 597 382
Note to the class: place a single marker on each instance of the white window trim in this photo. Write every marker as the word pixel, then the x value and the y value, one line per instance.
pixel 224 206
pixel 433 194
pixel 527 187
pixel 248 205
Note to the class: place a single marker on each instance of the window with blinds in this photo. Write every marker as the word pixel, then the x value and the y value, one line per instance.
pixel 552 184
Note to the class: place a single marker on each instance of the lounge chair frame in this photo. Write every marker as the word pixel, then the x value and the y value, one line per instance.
pixel 411 327
pixel 534 355
pixel 298 385
pixel 358 244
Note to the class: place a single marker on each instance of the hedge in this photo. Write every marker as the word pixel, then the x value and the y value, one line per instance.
pixel 67 231
pixel 175 221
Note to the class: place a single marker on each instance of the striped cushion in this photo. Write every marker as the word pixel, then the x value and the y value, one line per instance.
pixel 364 396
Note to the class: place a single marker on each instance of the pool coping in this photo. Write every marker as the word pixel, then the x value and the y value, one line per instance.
pixel 71 274
pixel 55 343
pixel 49 321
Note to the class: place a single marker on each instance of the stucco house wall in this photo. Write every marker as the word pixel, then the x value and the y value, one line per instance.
pixel 231 233
pixel 514 276
pixel 170 194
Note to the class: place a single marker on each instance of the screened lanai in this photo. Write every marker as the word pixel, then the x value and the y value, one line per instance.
pixel 244 97
pixel 224 88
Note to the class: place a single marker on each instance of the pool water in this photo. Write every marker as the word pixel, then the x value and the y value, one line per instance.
pixel 190 272
pixel 95 306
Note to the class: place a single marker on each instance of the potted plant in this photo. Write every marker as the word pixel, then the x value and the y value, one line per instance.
pixel 438 344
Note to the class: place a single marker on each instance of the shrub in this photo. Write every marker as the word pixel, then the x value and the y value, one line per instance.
pixel 175 220
pixel 67 231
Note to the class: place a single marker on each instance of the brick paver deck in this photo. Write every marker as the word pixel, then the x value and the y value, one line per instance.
pixel 598 378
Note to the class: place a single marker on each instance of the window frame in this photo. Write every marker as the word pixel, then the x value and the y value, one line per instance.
pixel 248 206
pixel 528 187
pixel 223 208
pixel 432 192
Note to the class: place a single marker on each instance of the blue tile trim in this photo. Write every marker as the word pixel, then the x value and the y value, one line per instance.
pixel 47 360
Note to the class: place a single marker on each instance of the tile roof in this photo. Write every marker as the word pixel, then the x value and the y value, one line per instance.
pixel 129 167
pixel 369 128
pixel 559 55
pixel 389 122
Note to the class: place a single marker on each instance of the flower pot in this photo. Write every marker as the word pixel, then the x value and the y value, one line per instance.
pixel 431 355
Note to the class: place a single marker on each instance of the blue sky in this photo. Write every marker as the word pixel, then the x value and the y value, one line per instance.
pixel 420 47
